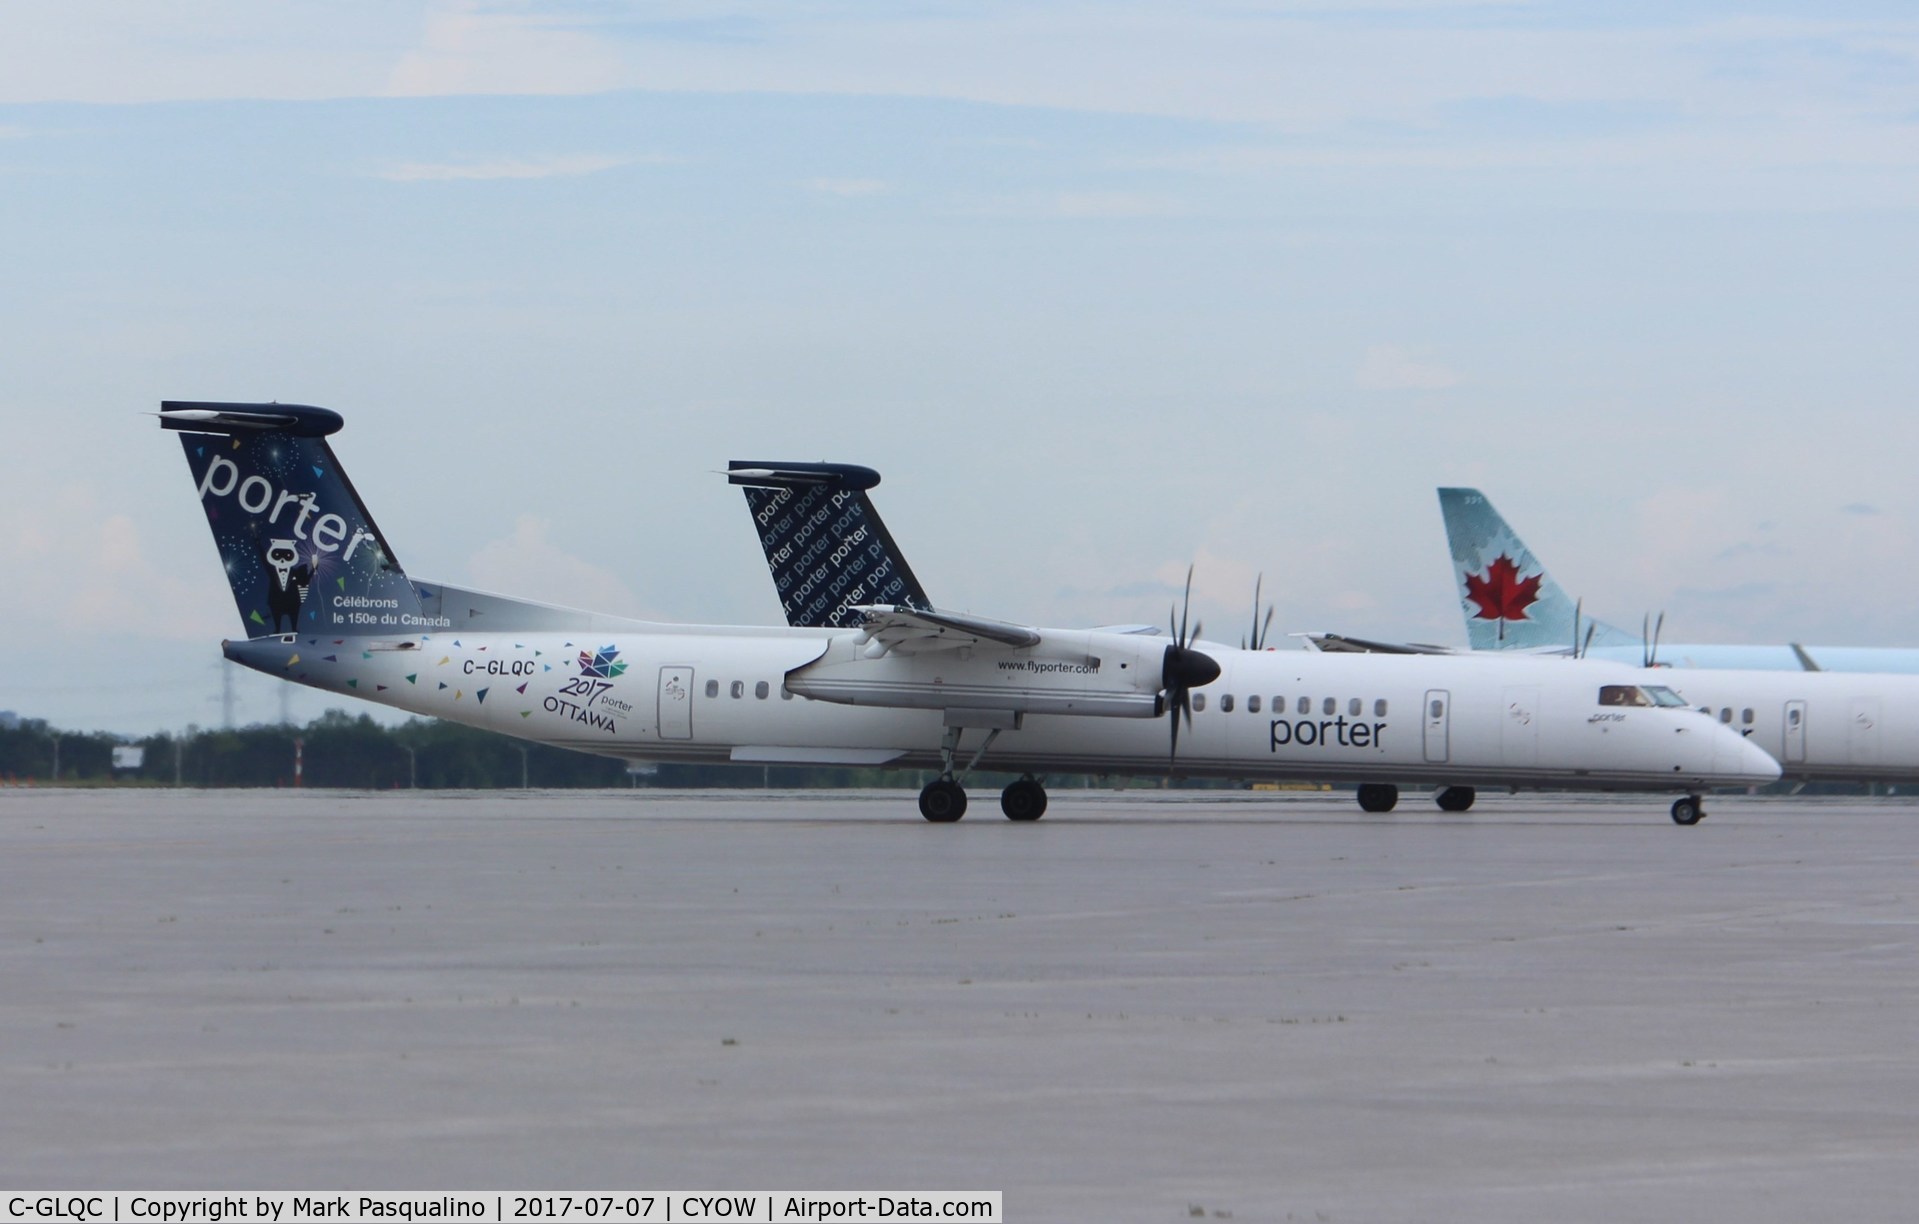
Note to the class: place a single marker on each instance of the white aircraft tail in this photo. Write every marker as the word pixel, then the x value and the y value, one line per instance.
pixel 1508 599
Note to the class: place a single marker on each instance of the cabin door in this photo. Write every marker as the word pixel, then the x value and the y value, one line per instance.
pixel 1519 734
pixel 1438 710
pixel 1795 733
pixel 1862 733
pixel 676 703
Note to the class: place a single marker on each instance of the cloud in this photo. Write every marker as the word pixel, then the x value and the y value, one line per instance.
pixel 72 564
pixel 527 564
pixel 1388 367
pixel 481 169
pixel 1859 508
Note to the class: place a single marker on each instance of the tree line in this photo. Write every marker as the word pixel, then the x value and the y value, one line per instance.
pixel 340 750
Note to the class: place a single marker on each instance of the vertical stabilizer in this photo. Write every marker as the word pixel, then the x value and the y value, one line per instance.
pixel 824 542
pixel 300 550
pixel 1508 599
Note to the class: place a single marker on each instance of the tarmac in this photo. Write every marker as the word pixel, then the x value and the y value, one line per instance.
pixel 1149 1006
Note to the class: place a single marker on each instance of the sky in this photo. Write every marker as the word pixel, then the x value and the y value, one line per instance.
pixel 1102 290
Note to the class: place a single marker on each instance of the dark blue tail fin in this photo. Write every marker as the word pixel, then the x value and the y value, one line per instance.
pixel 827 548
pixel 300 549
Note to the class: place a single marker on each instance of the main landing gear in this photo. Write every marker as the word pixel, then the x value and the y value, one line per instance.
pixel 1378 797
pixel 1686 810
pixel 1384 797
pixel 944 800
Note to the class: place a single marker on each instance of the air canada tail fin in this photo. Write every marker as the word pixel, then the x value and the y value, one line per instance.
pixel 1509 600
pixel 300 550
pixel 824 542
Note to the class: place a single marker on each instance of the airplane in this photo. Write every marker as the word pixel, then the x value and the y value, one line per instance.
pixel 1819 727
pixel 1842 723
pixel 828 550
pixel 1510 602
pixel 326 603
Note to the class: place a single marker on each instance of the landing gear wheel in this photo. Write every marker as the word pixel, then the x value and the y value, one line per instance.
pixel 1023 800
pixel 1455 798
pixel 1687 811
pixel 943 801
pixel 1378 797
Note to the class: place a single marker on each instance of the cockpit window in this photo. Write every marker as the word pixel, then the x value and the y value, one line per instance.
pixel 1663 696
pixel 1623 695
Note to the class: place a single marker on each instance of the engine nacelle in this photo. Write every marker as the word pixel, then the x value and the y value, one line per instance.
pixel 1109 675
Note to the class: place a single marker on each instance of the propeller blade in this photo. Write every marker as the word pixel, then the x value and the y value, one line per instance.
pixel 1172 755
pixel 1577 605
pixel 1652 657
pixel 1186 606
pixel 1265 630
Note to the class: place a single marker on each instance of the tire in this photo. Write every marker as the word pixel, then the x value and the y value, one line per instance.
pixel 1686 811
pixel 943 802
pixel 1455 798
pixel 1378 797
pixel 1023 800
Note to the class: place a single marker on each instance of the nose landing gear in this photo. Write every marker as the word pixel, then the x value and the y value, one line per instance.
pixel 1686 810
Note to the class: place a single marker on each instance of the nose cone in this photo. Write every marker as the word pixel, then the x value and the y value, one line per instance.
pixel 1736 760
pixel 1756 765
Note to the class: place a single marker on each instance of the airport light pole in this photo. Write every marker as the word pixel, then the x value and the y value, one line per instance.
pixel 523 785
pixel 412 774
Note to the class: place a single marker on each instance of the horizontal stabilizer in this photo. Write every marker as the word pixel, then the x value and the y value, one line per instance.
pixel 209 417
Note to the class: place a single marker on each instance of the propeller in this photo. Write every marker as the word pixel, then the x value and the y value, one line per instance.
pixel 1258 640
pixel 1184 669
pixel 1651 656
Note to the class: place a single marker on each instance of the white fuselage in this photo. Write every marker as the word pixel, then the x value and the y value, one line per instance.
pixel 694 693
pixel 1828 726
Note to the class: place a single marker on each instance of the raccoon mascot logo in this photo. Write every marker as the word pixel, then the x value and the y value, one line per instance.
pixel 287 583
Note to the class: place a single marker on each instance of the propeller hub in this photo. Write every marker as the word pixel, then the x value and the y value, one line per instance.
pixel 1187 668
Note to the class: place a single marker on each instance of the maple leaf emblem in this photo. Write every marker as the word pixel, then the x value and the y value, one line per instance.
pixel 1500 594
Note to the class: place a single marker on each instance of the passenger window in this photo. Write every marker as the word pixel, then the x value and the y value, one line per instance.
pixel 1226 704
pixel 1745 716
pixel 761 689
pixel 1379 708
pixel 1305 705
pixel 712 688
pixel 1436 710
pixel 1199 702
pixel 1330 704
pixel 1725 715
pixel 1279 705
pixel 1352 708
pixel 1252 704
pixel 739 689
pixel 1792 717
